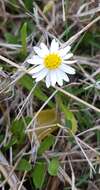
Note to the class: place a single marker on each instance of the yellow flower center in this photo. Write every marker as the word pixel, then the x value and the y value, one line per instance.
pixel 52 61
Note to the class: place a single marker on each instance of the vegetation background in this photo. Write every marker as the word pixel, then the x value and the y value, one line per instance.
pixel 49 138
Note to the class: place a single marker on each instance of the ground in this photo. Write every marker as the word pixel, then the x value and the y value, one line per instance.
pixel 49 137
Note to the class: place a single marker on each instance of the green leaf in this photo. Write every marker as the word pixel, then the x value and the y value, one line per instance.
pixel 11 38
pixel 38 174
pixel 12 142
pixel 85 119
pixel 46 144
pixel 23 39
pixel 28 4
pixel 69 116
pixel 1 137
pixel 53 167
pixel 18 128
pixel 27 82
pixel 24 165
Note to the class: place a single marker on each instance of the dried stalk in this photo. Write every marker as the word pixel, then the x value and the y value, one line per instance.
pixel 5 169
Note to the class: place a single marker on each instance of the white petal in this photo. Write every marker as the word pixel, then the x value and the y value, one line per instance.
pixel 67 69
pixel 36 75
pixel 36 69
pixel 54 46
pixel 65 77
pixel 68 56
pixel 69 61
pixel 64 51
pixel 59 77
pixel 37 50
pixel 62 76
pixel 44 48
pixel 35 60
pixel 41 75
pixel 48 80
pixel 53 77
pixel 41 52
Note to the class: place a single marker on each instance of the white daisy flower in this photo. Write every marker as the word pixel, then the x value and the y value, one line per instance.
pixel 53 64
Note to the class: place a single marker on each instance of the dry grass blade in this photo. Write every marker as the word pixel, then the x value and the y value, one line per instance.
pixel 25 102
pixel 46 102
pixel 66 177
pixel 21 68
pixel 78 99
pixel 36 123
pixel 88 160
pixel 76 36
pixel 73 176
pixel 5 169
pixel 89 130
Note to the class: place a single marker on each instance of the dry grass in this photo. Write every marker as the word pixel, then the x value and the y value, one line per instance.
pixel 78 151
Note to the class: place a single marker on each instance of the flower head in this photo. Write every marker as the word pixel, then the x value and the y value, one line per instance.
pixel 53 64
